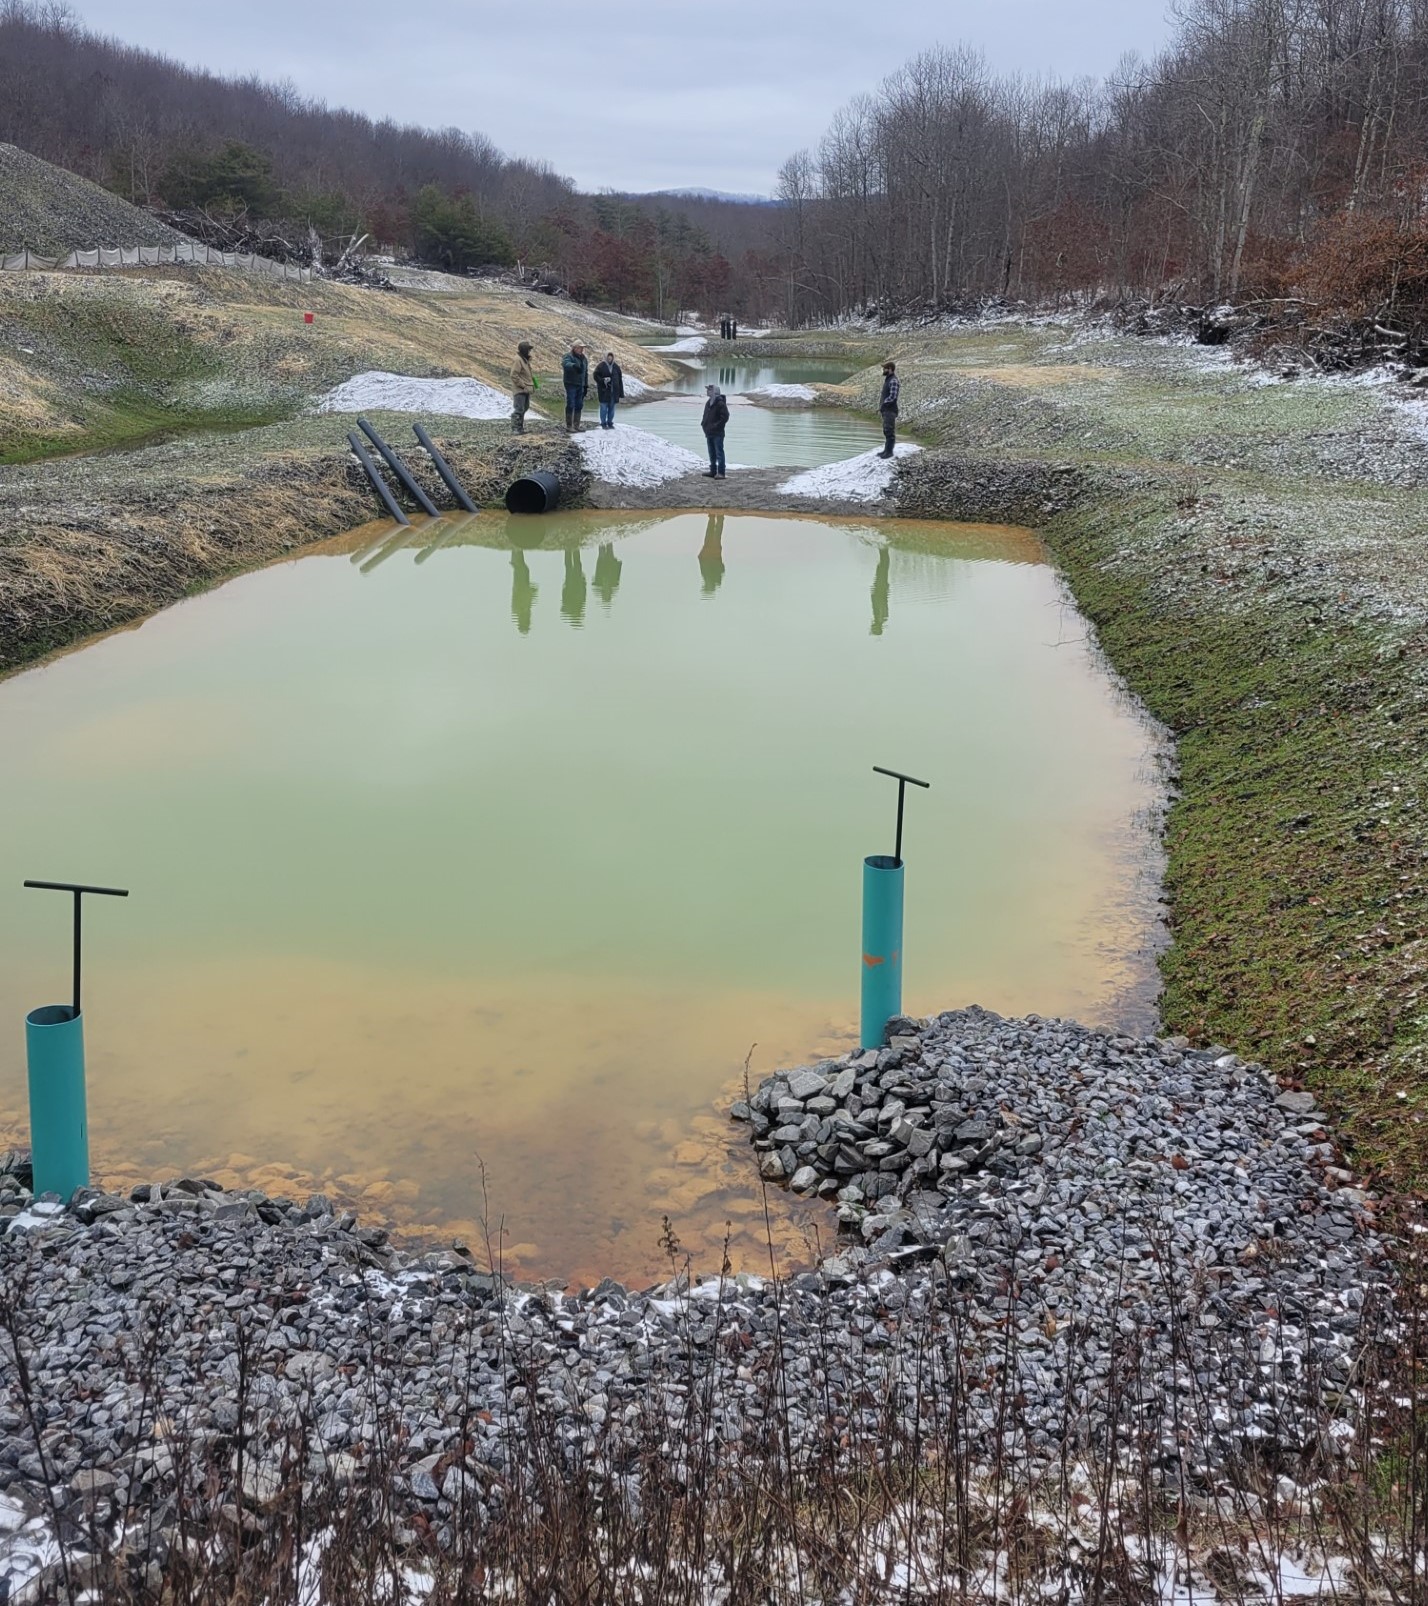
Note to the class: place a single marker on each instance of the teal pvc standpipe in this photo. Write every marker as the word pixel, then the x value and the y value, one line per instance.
pixel 882 945
pixel 59 1127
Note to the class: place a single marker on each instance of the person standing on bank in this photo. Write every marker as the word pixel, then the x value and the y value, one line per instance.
pixel 887 406
pixel 713 423
pixel 522 384
pixel 575 372
pixel 609 388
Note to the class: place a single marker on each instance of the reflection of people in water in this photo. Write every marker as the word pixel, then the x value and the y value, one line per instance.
pixel 711 554
pixel 523 591
pixel 607 574
pixel 880 591
pixel 572 593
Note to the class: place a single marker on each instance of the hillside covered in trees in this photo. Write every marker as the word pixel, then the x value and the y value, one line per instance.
pixel 1276 153
pixel 1275 150
pixel 258 158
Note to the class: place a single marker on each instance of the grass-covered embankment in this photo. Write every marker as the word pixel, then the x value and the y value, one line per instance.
pixel 1254 558
pixel 90 361
pixel 90 543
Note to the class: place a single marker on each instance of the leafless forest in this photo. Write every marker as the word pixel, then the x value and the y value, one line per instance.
pixel 1274 153
pixel 1275 149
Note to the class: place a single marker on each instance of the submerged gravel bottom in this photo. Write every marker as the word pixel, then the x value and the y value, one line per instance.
pixel 1063 1237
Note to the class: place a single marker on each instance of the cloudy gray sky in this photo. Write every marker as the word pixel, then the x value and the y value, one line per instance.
pixel 624 94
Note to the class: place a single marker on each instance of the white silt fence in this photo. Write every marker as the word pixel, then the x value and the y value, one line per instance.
pixel 153 256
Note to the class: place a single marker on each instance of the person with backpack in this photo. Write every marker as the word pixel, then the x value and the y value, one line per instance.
pixel 575 372
pixel 713 423
pixel 887 406
pixel 522 384
pixel 609 389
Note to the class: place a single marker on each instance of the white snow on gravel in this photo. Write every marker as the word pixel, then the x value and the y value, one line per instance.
pixel 865 478
pixel 627 456
pixel 788 392
pixel 400 393
pixel 635 388
pixel 689 343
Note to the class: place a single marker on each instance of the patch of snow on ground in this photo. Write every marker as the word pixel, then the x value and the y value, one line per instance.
pixel 635 388
pixel 628 456
pixel 408 278
pixel 689 343
pixel 864 478
pixel 789 392
pixel 28 1546
pixel 400 393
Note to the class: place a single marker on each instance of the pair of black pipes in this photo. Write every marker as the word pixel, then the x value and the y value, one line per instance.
pixel 403 473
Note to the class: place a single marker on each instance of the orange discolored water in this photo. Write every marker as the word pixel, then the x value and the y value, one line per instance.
pixel 469 864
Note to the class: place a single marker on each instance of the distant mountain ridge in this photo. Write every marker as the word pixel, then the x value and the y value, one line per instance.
pixel 697 193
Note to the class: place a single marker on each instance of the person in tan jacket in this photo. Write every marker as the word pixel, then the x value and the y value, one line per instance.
pixel 522 384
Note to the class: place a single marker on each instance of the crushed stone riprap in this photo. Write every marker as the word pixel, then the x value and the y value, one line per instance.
pixel 401 393
pixel 865 478
pixel 1097 1198
pixel 628 456
pixel 1073 1239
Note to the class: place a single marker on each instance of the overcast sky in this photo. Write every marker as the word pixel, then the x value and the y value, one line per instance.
pixel 624 94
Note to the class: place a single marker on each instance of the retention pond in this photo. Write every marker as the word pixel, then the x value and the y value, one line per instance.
pixel 469 863
pixel 759 436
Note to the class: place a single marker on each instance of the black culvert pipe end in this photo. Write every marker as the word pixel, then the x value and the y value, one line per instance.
pixel 536 492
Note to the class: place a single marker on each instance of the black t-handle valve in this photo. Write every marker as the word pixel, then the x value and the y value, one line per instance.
pixel 78 889
pixel 903 781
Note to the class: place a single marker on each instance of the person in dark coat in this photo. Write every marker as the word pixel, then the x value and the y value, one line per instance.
pixel 713 423
pixel 575 372
pixel 887 406
pixel 609 389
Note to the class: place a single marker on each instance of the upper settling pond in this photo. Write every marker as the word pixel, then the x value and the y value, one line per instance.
pixel 471 853
pixel 759 437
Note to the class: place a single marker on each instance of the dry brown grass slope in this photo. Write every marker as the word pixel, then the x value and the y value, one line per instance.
pixel 90 360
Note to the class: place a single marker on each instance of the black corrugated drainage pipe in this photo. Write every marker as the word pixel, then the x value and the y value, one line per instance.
pixel 536 492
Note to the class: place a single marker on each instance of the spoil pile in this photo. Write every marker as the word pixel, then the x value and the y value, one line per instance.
pixel 51 211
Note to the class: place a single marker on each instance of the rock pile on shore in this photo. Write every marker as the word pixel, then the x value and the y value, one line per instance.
pixel 1095 1191
pixel 1086 1238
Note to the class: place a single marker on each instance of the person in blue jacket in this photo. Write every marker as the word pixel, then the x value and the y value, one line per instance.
pixel 575 371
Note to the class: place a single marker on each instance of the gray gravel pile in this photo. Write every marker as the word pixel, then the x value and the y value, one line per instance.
pixel 1090 1236
pixel 51 211
pixel 1099 1194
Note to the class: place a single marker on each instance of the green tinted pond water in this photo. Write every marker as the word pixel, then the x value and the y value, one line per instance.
pixel 737 378
pixel 468 854
pixel 759 437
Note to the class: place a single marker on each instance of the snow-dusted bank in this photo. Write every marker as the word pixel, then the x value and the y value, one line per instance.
pixel 865 478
